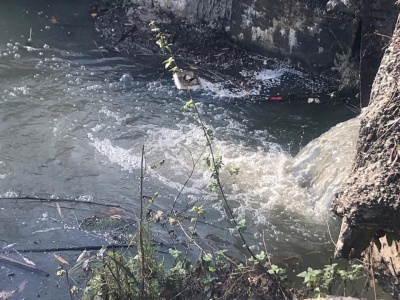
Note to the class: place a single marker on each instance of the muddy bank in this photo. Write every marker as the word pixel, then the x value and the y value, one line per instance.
pixel 343 40
pixel 370 199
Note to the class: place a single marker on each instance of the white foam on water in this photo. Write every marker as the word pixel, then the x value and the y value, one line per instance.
pixel 269 180
pixel 261 186
pixel 322 165
pixel 114 115
pixel 220 91
pixel 268 74
pixel 123 157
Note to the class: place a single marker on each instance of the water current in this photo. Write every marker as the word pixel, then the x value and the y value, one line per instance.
pixel 73 123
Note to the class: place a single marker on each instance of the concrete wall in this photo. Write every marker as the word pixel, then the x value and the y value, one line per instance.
pixel 214 12
pixel 317 33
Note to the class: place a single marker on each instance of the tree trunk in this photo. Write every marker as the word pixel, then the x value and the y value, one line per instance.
pixel 370 199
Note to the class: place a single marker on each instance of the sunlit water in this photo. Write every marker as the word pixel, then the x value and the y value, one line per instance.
pixel 73 123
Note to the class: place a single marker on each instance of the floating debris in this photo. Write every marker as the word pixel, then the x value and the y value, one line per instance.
pixel 186 80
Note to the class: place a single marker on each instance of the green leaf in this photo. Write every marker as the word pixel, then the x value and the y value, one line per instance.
pixel 233 170
pixel 241 224
pixel 261 256
pixel 175 253
pixel 213 186
pixel 169 62
pixel 192 231
pixel 207 257
pixel 188 105
pixel 302 274
pixel 155 197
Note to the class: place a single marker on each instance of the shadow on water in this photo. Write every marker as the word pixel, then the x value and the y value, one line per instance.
pixel 72 124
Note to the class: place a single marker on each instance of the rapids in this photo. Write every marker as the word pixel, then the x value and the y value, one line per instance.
pixel 73 123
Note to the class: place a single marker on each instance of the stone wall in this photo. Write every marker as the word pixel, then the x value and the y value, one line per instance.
pixel 213 12
pixel 317 33
pixel 343 37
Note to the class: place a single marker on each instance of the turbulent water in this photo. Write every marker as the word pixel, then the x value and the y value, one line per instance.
pixel 73 123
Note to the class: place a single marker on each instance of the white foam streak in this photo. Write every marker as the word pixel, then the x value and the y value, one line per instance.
pixel 269 179
pixel 267 74
pixel 123 157
pixel 324 163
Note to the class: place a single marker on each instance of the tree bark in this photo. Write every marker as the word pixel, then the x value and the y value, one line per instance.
pixel 369 201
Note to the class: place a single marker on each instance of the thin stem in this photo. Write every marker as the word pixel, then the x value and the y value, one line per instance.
pixel 217 178
pixel 228 208
pixel 69 286
pixel 141 221
pixel 194 163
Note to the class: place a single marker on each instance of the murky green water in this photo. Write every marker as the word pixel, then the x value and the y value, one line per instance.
pixel 73 122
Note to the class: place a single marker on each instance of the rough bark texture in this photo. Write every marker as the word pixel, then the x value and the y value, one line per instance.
pixel 370 200
pixel 382 259
pixel 377 24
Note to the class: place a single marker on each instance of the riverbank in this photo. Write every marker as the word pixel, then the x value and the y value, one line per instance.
pixel 211 53
pixel 369 201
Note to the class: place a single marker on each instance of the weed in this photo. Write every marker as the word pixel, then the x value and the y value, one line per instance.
pixel 322 281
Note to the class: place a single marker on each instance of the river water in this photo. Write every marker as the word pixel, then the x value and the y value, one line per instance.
pixel 73 123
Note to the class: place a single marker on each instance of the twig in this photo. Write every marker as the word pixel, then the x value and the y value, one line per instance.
pixel 16 263
pixel 73 200
pixel 125 35
pixel 187 180
pixel 217 178
pixel 78 248
pixel 372 270
pixel 69 285
pixel 329 230
pixel 190 239
pixel 128 271
pixel 270 264
pixel 382 35
pixel 141 221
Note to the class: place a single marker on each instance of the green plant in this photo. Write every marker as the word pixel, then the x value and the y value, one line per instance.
pixel 165 46
pixel 322 281
pixel 281 272
pixel 122 276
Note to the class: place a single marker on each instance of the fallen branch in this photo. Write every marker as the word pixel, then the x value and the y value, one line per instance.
pixel 16 263
pixel 73 200
pixel 77 248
